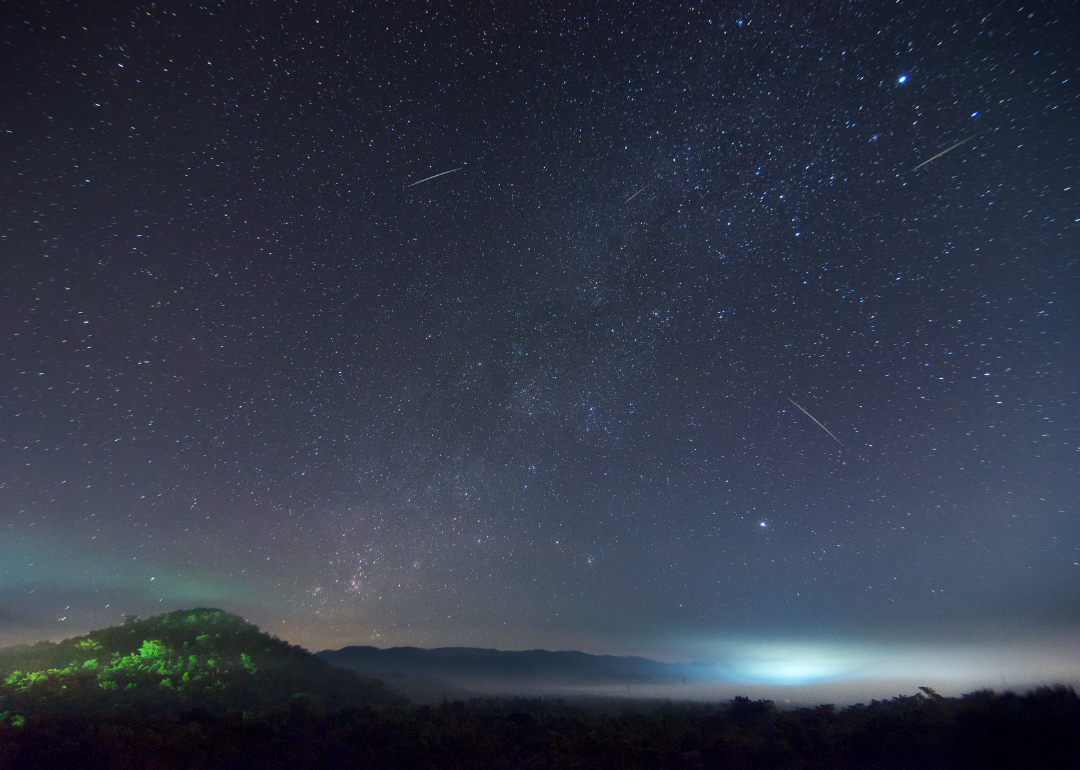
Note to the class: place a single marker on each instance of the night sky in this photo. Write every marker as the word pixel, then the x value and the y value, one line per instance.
pixel 680 356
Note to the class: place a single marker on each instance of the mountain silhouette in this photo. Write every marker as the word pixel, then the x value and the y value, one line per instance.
pixel 423 674
pixel 202 659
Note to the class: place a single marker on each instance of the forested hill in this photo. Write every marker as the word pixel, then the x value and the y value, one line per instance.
pixel 192 659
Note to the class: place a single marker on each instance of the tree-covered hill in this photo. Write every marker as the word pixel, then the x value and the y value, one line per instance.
pixel 192 659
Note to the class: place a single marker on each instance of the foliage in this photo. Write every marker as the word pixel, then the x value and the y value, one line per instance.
pixel 202 658
pixel 982 730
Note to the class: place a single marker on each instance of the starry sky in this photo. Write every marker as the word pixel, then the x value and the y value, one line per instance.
pixel 627 329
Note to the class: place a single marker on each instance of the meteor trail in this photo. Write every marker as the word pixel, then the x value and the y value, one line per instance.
pixel 635 194
pixel 814 418
pixel 935 158
pixel 451 171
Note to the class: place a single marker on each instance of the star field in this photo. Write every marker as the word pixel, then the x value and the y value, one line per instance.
pixel 619 330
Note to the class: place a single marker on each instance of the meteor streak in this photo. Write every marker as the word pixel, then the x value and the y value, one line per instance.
pixel 451 171
pixel 935 158
pixel 814 418
pixel 636 194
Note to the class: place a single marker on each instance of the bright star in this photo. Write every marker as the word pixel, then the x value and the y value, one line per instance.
pixel 903 79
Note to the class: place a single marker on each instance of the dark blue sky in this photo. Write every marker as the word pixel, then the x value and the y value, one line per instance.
pixel 549 399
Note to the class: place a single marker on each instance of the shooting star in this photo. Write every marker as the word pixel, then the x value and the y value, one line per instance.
pixel 451 171
pixel 816 420
pixel 635 194
pixel 944 151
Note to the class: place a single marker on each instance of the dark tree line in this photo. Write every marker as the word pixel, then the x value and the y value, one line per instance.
pixel 982 730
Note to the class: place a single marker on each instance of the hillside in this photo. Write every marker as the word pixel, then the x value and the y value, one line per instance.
pixel 192 659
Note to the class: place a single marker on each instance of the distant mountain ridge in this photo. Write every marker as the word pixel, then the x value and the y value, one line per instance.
pixel 472 669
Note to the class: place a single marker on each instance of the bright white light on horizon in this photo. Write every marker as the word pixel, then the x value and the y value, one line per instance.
pixel 947 666
pixel 793 663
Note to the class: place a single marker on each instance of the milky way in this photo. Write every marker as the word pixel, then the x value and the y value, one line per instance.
pixel 558 397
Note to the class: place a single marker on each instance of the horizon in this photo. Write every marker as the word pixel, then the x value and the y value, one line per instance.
pixel 798 674
pixel 744 335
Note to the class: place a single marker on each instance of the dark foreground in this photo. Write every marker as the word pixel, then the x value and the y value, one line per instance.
pixel 980 730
